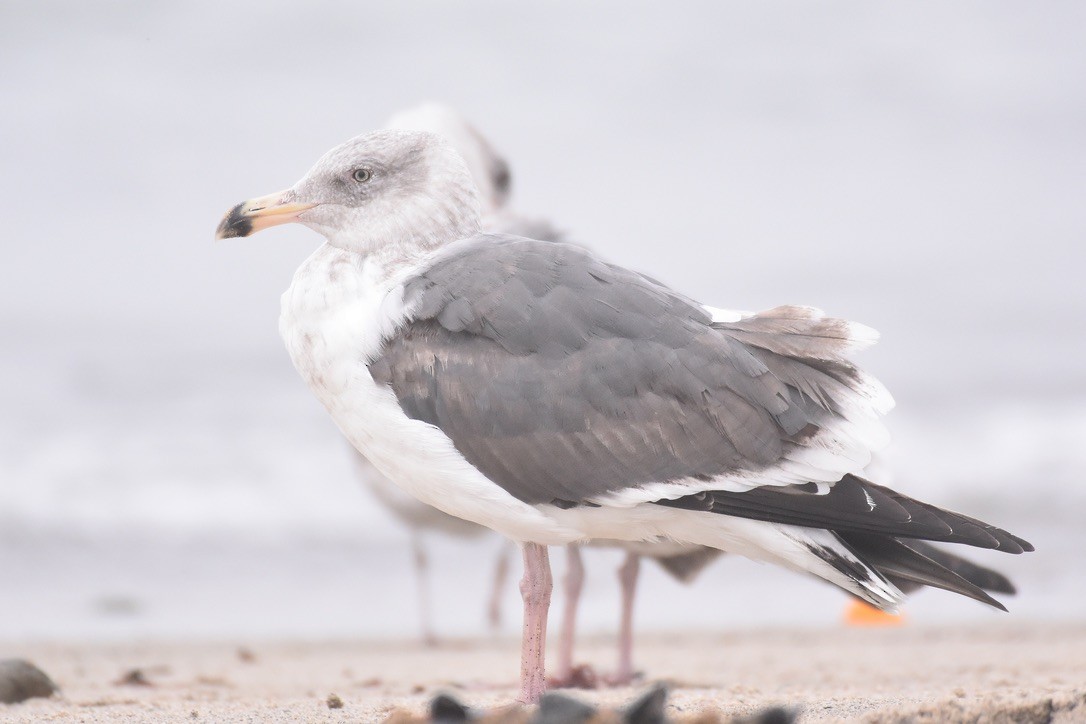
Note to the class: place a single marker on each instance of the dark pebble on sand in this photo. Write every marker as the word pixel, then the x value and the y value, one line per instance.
pixel 21 680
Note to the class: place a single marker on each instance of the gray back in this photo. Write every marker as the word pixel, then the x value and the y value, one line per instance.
pixel 563 378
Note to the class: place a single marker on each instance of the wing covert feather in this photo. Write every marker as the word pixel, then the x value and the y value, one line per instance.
pixel 563 378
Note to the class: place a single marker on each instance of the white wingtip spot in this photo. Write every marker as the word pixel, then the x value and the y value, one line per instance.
pixel 869 499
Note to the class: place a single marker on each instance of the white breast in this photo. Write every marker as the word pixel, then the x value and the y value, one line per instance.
pixel 336 315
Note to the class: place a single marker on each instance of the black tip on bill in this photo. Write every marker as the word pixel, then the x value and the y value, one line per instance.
pixel 234 224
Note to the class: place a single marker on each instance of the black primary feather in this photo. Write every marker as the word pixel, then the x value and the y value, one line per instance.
pixel 853 504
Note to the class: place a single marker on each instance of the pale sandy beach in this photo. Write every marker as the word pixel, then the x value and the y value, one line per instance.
pixel 1002 673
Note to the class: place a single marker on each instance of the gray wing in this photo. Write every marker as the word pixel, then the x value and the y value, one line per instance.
pixel 563 378
pixel 569 381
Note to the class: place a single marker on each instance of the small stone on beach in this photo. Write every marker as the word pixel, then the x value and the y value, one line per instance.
pixel 133 677
pixel 21 680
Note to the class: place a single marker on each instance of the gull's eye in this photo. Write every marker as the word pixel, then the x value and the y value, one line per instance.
pixel 361 175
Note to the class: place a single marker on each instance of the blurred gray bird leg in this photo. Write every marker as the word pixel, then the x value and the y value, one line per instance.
pixel 567 673
pixel 419 519
pixel 501 575
pixel 681 562
pixel 628 574
pixel 422 579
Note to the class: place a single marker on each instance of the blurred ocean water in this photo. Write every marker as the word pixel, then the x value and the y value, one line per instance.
pixel 232 511
pixel 919 167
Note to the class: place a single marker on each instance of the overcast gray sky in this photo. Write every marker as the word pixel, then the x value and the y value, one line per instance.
pixel 920 167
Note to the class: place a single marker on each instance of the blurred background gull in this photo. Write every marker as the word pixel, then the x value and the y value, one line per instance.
pixel 918 167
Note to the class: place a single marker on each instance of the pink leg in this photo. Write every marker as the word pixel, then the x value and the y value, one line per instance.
pixel 627 576
pixel 573 585
pixel 535 589
pixel 501 574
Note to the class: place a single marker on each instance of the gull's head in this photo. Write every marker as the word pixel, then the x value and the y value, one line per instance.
pixel 382 189
pixel 488 168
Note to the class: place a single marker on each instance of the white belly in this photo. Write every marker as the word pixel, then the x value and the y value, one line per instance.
pixel 335 317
